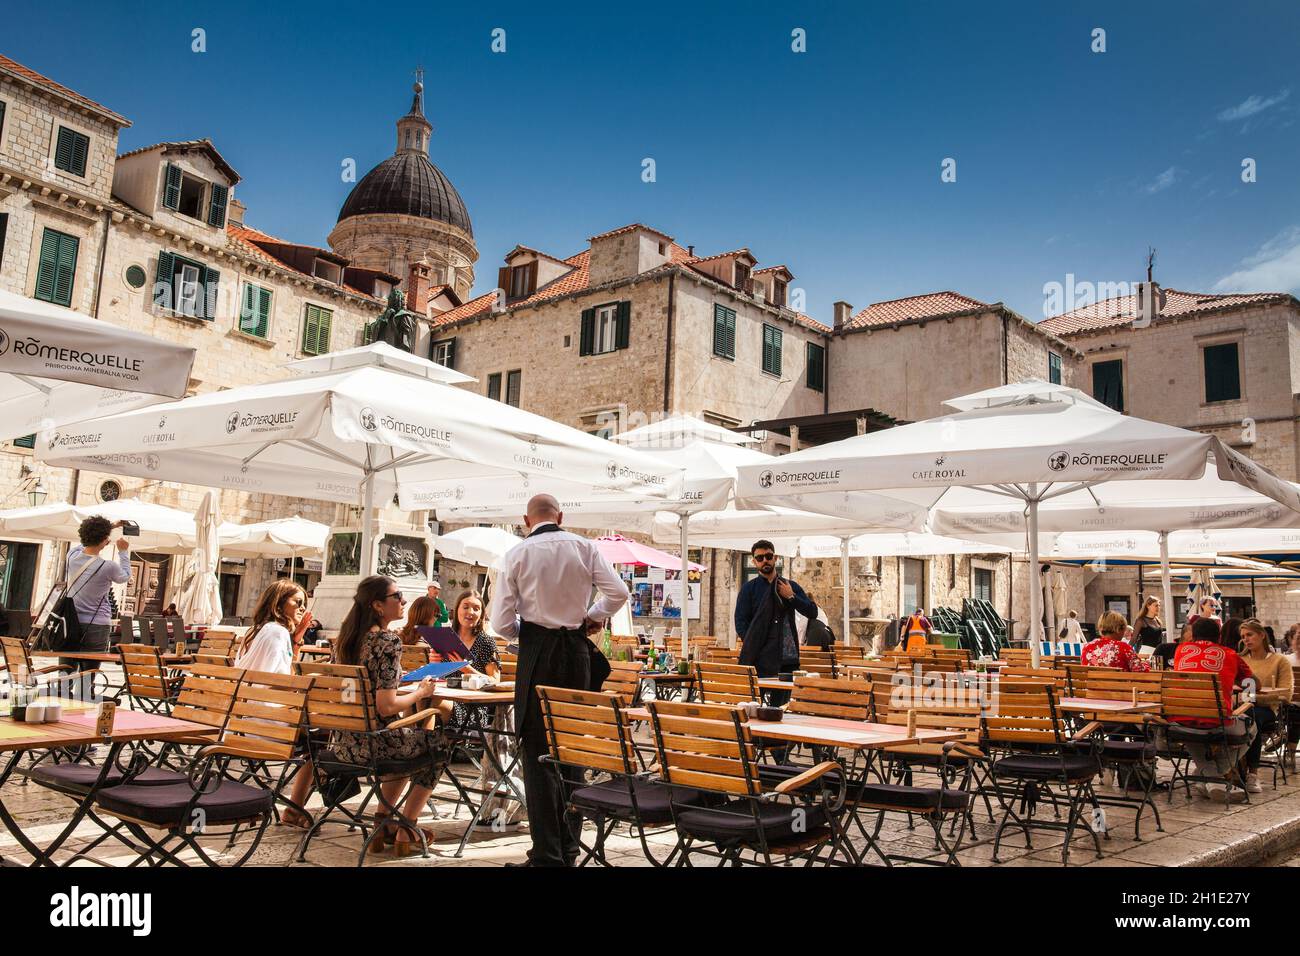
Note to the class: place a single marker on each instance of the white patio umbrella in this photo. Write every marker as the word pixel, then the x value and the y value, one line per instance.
pixel 482 546
pixel 200 601
pixel 278 538
pixel 709 469
pixel 164 530
pixel 678 430
pixel 352 435
pixel 58 367
pixel 1010 456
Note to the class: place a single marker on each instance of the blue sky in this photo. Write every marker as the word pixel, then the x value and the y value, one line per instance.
pixel 1067 161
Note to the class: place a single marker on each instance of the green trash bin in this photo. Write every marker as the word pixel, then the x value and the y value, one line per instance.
pixel 951 641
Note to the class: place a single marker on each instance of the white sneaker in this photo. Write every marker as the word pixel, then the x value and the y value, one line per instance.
pixel 1201 790
pixel 1236 795
pixel 1217 792
pixel 1252 783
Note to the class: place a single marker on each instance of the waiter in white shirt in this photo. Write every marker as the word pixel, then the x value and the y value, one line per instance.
pixel 541 599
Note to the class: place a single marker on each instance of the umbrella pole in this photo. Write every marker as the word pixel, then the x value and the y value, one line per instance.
pixel 1036 589
pixel 844 583
pixel 1166 588
pixel 367 525
pixel 683 522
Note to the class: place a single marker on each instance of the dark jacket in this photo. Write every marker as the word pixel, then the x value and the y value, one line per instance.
pixel 760 634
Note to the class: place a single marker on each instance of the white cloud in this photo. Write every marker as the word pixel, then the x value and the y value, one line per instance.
pixel 1274 268
pixel 1163 181
pixel 1251 106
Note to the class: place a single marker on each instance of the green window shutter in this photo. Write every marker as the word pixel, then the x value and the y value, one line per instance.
pixel 57 267
pixel 1222 373
pixel 263 313
pixel 70 151
pixel 163 294
pixel 623 332
pixel 816 365
pixel 724 332
pixel 771 350
pixel 27 441
pixel 2 117
pixel 316 330
pixel 4 218
pixel 587 339
pixel 172 190
pixel 1108 383
pixel 217 206
pixel 210 280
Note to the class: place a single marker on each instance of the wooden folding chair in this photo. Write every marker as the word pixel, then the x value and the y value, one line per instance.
pixel 707 749
pixel 821 663
pixel 624 681
pixel 589 732
pixel 222 792
pixel 148 684
pixel 1193 712
pixel 217 648
pixel 726 683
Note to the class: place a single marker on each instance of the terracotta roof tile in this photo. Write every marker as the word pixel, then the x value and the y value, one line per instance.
pixel 245 238
pixel 1111 313
pixel 17 69
pixel 912 307
pixel 759 272
pixel 724 255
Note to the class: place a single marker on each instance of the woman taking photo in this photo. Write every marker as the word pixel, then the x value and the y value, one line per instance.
pixel 1271 670
pixel 365 640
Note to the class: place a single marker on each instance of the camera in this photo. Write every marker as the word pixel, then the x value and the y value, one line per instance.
pixel 130 529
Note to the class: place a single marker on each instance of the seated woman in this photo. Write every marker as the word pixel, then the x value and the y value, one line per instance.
pixel 1166 651
pixel 1109 648
pixel 1206 653
pixel 1271 670
pixel 170 611
pixel 423 612
pixel 480 651
pixel 365 640
pixel 279 622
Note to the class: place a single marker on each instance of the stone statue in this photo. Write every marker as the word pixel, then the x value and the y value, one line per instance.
pixel 396 326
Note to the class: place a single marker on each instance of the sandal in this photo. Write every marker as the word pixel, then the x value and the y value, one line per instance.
pixel 296 819
pixel 405 844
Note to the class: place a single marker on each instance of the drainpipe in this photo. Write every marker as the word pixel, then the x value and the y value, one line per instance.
pixel 1006 364
pixel 668 347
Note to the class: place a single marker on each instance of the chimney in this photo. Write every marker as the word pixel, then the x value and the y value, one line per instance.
pixel 843 312
pixel 417 287
pixel 235 212
pixel 690 250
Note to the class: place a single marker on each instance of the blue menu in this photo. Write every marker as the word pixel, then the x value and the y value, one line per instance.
pixel 436 671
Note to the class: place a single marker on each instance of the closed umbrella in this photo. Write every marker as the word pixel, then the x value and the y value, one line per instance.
pixel 200 601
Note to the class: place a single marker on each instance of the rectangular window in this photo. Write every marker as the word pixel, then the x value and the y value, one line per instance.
pixel 512 387
pixel 255 311
pixel 771 349
pixel 193 192
pixel 1222 372
pixel 724 332
pixel 494 386
pixel 523 281
pixel 186 287
pixel 27 441
pixel 70 151
pixel 1108 383
pixel 1054 368
pixel 742 277
pixel 605 328
pixel 982 585
pixel 913 585
pixel 816 367
pixel 444 352
pixel 316 330
pixel 778 293
pixel 58 267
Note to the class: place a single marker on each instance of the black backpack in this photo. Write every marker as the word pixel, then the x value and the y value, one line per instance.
pixel 64 631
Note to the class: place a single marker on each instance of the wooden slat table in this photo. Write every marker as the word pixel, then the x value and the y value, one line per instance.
pixel 76 729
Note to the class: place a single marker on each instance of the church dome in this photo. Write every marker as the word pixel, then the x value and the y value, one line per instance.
pixel 407 183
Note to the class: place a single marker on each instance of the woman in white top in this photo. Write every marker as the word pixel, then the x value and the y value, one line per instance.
pixel 279 621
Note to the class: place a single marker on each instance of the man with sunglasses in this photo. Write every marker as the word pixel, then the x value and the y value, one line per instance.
pixel 765 616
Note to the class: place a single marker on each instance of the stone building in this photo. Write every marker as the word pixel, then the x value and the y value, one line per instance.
pixel 154 240
pixel 1224 364
pixel 406 211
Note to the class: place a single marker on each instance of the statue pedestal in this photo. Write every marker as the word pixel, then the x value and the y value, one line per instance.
pixel 402 552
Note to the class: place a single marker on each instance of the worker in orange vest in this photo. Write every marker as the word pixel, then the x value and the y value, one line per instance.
pixel 917 630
